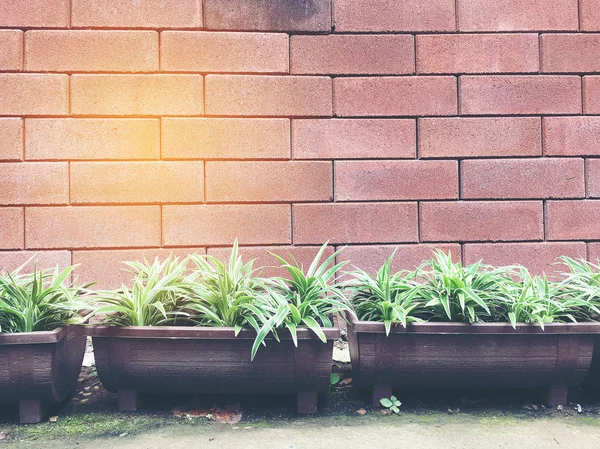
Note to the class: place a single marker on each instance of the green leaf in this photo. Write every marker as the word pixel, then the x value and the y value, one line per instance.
pixel 386 402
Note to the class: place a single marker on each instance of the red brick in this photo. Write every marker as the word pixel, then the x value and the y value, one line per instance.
pixel 34 13
pixel 523 178
pixel 82 139
pixel 520 94
pixel 395 180
pixel 569 53
pixel 517 15
pixel 473 221
pixel 252 224
pixel 227 138
pixel 33 94
pixel 392 15
pixel 136 13
pixel 11 139
pixel 268 181
pixel 11 260
pixel 11 49
pixel 479 137
pixel 539 258
pixel 268 95
pixel 591 94
pixel 572 220
pixel 92 227
pixel 594 252
pixel 267 15
pixel 11 228
pixel 137 182
pixel 418 95
pixel 593 177
pixel 202 51
pixel 589 15
pixel 408 257
pixel 304 255
pixel 353 54
pixel 354 138
pixel 355 223
pixel 34 183
pixel 136 94
pixel 571 136
pixel 91 51
pixel 477 53
pixel 106 267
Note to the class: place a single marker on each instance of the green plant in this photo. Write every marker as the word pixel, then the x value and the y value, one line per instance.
pixel 38 301
pixel 392 403
pixel 582 284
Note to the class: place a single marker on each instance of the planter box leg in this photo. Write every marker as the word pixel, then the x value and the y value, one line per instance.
pixel 128 400
pixel 306 402
pixel 31 411
pixel 557 395
pixel 380 391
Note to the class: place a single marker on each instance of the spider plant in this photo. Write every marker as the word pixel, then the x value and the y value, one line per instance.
pixel 386 297
pixel 308 298
pixel 158 296
pixel 39 301
pixel 583 284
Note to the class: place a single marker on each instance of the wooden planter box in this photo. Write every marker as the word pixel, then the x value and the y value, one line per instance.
pixel 40 368
pixel 456 355
pixel 196 360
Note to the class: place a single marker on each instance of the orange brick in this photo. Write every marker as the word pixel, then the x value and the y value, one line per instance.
pixel 352 54
pixel 11 260
pixel 303 15
pixel 479 137
pixel 268 95
pixel 81 139
pixel 136 94
pixel 136 13
pixel 572 220
pixel 202 51
pixel 392 15
pixel 517 15
pixel 355 223
pixel 354 138
pixel 11 50
pixel 91 51
pixel 227 138
pixel 477 53
pixel 34 13
pixel 268 181
pixel 92 227
pixel 593 177
pixel 408 257
pixel 106 267
pixel 137 182
pixel 520 94
pixel 382 96
pixel 34 183
pixel 473 221
pixel 589 14
pixel 252 224
pixel 11 228
pixel 304 255
pixel 33 94
pixel 395 180
pixel 571 136
pixel 523 178
pixel 591 94
pixel 11 139
pixel 539 258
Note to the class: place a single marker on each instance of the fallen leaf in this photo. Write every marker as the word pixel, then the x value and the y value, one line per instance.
pixel 230 414
pixel 53 419
pixel 179 412
pixel 385 411
pixel 124 434
pixel 198 413
pixel 346 381
pixel 87 394
pixel 2 436
pixel 361 411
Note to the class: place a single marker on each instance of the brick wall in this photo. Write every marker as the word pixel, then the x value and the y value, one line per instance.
pixel 142 127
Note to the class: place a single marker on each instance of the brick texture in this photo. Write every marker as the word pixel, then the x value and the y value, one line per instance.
pixel 589 15
pixel 593 177
pixel 34 13
pixel 591 94
pixel 34 183
pixel 32 94
pixel 572 220
pixel 11 227
pixel 571 136
pixel 594 252
pixel 11 260
pixel 11 139
pixel 11 50
pixel 570 53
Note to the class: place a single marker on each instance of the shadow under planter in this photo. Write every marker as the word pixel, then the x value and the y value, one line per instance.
pixel 457 355
pixel 40 368
pixel 196 360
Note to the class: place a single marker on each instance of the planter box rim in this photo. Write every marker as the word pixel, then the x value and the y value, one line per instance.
pixel 199 333
pixel 34 338
pixel 374 327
